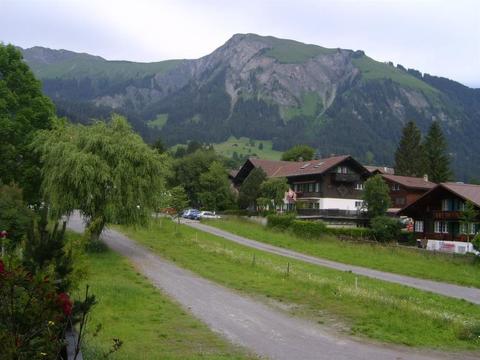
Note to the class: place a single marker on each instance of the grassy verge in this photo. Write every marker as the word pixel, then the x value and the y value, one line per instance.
pixel 379 310
pixel 456 269
pixel 150 325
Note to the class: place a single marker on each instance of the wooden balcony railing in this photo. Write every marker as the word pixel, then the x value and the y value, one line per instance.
pixel 447 215
pixel 333 213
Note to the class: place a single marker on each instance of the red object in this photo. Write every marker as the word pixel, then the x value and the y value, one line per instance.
pixel 66 304
pixel 3 234
pixel 2 267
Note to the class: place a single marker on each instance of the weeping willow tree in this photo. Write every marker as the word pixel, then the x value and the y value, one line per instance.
pixel 104 170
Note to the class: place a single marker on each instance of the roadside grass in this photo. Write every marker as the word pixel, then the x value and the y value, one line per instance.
pixel 151 325
pixel 375 309
pixel 451 268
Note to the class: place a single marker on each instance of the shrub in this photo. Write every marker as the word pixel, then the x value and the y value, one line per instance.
pixel 36 322
pixel 476 242
pixel 280 221
pixel 355 233
pixel 308 229
pixel 385 228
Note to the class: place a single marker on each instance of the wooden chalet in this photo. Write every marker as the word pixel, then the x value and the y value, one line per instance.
pixel 404 190
pixel 438 213
pixel 329 189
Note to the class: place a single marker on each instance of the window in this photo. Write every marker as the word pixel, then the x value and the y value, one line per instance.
pixel 306 187
pixel 311 187
pixel 399 201
pixel 441 227
pixel 453 205
pixel 317 187
pixel 358 204
pixel 471 228
pixel 395 187
pixel 359 186
pixel 342 170
pixel 418 225
pixel 295 187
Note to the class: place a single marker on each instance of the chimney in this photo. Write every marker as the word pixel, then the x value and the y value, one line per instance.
pixel 425 177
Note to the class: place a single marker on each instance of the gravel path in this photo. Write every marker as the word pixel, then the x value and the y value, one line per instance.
pixel 247 322
pixel 455 291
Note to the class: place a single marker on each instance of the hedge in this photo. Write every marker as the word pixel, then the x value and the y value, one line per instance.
pixel 308 229
pixel 315 229
pixel 280 221
pixel 360 232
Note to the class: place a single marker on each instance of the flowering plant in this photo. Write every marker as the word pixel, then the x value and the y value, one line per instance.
pixel 33 317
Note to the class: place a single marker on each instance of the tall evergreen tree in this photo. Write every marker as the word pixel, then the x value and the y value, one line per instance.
pixel 409 157
pixel 436 156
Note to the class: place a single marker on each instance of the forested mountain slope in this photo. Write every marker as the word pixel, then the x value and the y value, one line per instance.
pixel 339 101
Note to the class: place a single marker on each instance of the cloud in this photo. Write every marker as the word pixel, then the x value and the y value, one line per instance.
pixel 439 37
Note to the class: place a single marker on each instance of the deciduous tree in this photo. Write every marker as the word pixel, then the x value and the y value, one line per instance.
pixel 376 196
pixel 23 111
pixel 215 190
pixel 274 189
pixel 104 170
pixel 299 153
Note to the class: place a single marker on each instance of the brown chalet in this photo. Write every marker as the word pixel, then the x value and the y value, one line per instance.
pixel 404 190
pixel 329 189
pixel 438 214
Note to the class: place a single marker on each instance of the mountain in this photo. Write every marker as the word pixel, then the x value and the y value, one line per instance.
pixel 339 101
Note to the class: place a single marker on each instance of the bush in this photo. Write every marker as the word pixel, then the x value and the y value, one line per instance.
pixel 355 233
pixel 36 323
pixel 476 242
pixel 385 228
pixel 308 229
pixel 280 221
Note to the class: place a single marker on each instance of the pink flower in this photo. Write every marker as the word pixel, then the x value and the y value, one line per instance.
pixel 2 267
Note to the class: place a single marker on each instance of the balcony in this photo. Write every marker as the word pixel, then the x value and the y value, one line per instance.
pixel 346 178
pixel 332 213
pixel 447 215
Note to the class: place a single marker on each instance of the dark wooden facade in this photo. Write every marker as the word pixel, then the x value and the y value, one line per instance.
pixel 438 215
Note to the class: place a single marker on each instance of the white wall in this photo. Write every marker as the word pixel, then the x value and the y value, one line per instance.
pixel 333 203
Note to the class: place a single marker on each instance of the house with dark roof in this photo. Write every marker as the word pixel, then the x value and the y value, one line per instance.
pixel 438 215
pixel 329 189
pixel 404 190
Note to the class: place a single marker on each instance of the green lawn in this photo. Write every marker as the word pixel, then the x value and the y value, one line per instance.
pixel 375 309
pixel 151 325
pixel 458 269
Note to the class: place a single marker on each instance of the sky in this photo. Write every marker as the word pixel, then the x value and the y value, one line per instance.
pixel 437 37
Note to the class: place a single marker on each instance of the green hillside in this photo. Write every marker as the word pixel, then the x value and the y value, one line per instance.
pixel 46 64
pixel 245 147
pixel 376 70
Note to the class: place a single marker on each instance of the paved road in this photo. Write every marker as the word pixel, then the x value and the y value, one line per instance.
pixel 455 291
pixel 249 323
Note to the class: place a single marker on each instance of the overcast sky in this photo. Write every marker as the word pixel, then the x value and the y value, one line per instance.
pixel 438 37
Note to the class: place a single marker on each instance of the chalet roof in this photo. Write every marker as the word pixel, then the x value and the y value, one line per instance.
pixel 410 181
pixel 380 169
pixel 468 192
pixel 274 168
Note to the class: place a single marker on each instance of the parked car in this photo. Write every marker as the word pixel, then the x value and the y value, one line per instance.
pixel 208 215
pixel 188 212
pixel 193 214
